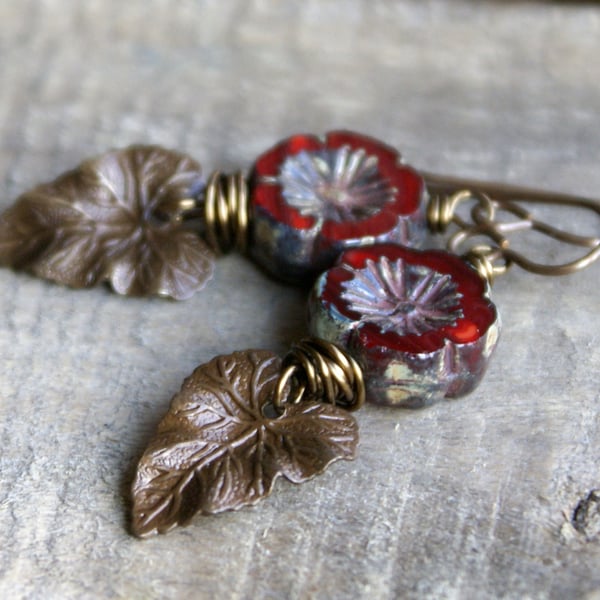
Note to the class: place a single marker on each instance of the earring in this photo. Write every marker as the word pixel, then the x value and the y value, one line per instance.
pixel 391 324
pixel 144 220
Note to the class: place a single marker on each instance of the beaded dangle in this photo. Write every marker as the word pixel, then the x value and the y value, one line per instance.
pixel 391 324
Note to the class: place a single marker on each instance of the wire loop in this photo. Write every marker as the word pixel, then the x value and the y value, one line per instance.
pixel 318 370
pixel 226 212
pixel 482 258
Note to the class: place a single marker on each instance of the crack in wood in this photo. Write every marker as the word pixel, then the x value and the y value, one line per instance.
pixel 586 516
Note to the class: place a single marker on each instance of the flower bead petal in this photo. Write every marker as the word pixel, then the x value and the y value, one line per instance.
pixel 313 198
pixel 420 323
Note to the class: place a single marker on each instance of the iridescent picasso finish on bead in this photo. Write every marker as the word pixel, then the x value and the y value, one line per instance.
pixel 312 198
pixel 420 323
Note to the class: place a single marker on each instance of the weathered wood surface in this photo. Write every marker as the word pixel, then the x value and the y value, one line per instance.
pixel 467 499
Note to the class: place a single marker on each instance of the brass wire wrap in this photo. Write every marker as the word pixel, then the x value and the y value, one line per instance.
pixel 440 211
pixel 227 212
pixel 318 370
pixel 482 258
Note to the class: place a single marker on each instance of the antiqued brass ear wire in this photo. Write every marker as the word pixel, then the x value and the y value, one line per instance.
pixel 489 199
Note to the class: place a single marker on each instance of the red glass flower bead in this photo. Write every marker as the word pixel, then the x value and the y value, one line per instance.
pixel 420 323
pixel 312 198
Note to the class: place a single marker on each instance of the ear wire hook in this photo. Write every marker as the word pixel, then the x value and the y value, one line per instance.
pixel 489 198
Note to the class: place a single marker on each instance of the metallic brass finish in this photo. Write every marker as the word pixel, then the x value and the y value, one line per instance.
pixel 493 259
pixel 175 210
pixel 114 218
pixel 226 212
pixel 482 258
pixel 318 370
pixel 217 450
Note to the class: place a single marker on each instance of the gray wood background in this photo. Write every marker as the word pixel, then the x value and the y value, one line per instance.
pixel 467 499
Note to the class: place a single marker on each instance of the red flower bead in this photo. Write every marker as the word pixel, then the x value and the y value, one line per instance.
pixel 313 198
pixel 420 323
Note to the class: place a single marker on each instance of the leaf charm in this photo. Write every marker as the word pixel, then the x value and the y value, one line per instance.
pixel 100 222
pixel 216 451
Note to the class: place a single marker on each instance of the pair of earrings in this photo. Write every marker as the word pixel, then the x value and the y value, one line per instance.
pixel 390 323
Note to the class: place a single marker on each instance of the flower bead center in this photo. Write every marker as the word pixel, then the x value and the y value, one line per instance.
pixel 401 297
pixel 403 308
pixel 334 184
pixel 329 191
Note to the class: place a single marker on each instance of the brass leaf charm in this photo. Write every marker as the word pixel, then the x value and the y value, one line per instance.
pixel 100 222
pixel 216 451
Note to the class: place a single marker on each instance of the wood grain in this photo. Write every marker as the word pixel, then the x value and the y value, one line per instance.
pixel 466 499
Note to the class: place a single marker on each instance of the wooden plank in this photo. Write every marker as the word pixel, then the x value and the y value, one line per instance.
pixel 473 498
